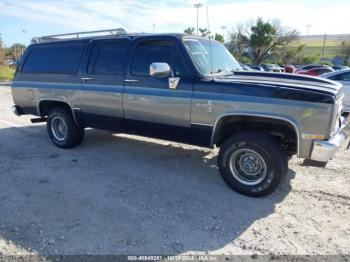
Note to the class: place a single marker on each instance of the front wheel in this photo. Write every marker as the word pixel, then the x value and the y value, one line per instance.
pixel 252 163
pixel 62 129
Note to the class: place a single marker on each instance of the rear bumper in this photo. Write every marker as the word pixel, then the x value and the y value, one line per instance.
pixel 17 110
pixel 323 151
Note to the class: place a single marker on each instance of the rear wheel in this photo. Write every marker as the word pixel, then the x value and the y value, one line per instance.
pixel 62 129
pixel 252 163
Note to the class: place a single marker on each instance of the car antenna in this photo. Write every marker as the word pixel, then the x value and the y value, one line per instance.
pixel 210 51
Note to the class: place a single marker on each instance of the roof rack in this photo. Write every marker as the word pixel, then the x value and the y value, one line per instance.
pixel 77 35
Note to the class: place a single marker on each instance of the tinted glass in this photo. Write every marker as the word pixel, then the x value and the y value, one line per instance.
pixel 108 58
pixel 346 76
pixel 53 59
pixel 149 52
pixel 336 77
pixel 322 71
pixel 180 66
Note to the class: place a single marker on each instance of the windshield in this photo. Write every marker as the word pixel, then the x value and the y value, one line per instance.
pixel 220 60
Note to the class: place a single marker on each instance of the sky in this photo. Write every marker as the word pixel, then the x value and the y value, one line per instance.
pixel 24 19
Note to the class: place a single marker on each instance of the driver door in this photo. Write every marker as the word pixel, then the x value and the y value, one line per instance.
pixel 151 107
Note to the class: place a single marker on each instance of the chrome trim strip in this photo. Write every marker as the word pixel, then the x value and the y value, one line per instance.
pixel 201 124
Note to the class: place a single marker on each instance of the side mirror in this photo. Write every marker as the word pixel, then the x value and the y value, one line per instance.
pixel 160 70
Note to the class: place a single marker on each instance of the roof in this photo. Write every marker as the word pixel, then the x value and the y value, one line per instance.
pixel 92 35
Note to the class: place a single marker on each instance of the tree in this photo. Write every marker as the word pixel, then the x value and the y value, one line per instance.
pixel 219 38
pixel 345 51
pixel 189 31
pixel 238 43
pixel 266 39
pixel 2 53
pixel 16 51
pixel 311 59
pixel 290 55
pixel 263 39
pixel 204 32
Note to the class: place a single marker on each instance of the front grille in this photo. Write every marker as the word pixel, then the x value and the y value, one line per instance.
pixel 337 122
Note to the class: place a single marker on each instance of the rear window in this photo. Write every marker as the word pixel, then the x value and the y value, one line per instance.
pixel 53 59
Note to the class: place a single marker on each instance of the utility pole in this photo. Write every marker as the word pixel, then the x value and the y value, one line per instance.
pixel 223 31
pixel 198 5
pixel 22 49
pixel 324 44
pixel 308 29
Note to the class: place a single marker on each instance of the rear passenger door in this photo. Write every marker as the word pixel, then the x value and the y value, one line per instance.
pixel 151 108
pixel 103 84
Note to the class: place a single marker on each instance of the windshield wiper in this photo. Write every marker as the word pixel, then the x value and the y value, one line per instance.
pixel 220 71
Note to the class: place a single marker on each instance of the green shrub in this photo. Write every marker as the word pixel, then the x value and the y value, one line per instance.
pixel 6 73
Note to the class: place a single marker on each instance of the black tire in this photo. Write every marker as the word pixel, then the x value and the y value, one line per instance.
pixel 71 134
pixel 247 152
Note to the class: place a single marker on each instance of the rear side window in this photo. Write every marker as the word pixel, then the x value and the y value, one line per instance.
pixel 341 77
pixel 53 60
pixel 322 71
pixel 346 77
pixel 108 58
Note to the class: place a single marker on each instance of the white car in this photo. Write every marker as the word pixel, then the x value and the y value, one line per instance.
pixel 342 76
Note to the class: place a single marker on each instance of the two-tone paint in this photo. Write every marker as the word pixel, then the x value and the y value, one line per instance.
pixel 191 113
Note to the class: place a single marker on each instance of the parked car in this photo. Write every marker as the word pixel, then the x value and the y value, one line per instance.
pixel 272 68
pixel 245 67
pixel 281 69
pixel 182 88
pixel 257 68
pixel 290 69
pixel 10 63
pixel 340 67
pixel 312 66
pixel 316 71
pixel 343 77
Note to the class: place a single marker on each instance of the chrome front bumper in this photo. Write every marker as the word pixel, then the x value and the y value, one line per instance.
pixel 323 151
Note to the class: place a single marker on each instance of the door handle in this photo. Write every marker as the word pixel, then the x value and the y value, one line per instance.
pixel 86 79
pixel 129 81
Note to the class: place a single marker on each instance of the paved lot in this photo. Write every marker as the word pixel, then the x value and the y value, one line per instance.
pixel 119 194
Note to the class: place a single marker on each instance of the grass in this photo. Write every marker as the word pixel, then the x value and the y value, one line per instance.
pixel 6 73
pixel 317 43
pixel 314 46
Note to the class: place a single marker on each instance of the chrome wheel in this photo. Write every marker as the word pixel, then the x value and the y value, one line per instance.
pixel 59 128
pixel 248 167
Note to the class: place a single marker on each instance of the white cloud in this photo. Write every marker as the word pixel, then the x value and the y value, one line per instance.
pixel 174 16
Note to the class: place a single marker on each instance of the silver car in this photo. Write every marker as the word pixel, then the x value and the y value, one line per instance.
pixel 342 76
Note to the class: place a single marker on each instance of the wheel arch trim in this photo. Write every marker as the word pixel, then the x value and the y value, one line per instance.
pixel 217 123
pixel 61 102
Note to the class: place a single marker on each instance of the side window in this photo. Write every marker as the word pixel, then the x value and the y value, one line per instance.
pixel 62 59
pixel 149 52
pixel 107 58
pixel 346 76
pixel 336 77
pixel 180 66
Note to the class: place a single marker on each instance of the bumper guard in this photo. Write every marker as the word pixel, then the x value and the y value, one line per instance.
pixel 323 151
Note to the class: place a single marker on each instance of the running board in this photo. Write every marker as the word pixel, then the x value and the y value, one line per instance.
pixel 38 120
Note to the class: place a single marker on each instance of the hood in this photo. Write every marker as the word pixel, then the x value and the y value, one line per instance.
pixel 286 81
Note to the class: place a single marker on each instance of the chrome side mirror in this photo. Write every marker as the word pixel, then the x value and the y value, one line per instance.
pixel 160 70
